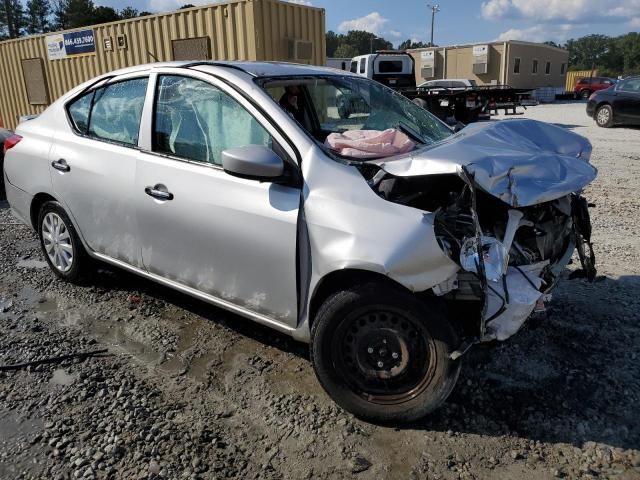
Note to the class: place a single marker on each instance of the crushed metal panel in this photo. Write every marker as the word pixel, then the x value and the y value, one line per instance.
pixel 522 162
pixel 35 81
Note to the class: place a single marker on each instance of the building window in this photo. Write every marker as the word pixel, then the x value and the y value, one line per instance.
pixel 516 65
pixel 534 67
pixel 547 68
pixel 563 68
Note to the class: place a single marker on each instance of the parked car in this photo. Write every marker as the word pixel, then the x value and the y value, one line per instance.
pixel 617 105
pixel 240 184
pixel 586 86
pixel 4 134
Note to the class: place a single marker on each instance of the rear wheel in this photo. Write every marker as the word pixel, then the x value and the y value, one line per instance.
pixel 604 116
pixel 60 244
pixel 382 354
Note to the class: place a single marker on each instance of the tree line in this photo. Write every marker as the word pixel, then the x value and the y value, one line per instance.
pixel 359 42
pixel 612 56
pixel 41 16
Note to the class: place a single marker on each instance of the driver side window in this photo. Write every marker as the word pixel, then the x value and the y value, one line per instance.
pixel 196 121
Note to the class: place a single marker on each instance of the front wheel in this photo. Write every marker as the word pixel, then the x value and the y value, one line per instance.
pixel 382 354
pixel 585 94
pixel 604 116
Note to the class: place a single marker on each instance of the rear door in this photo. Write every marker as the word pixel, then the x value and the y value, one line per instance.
pixel 232 238
pixel 93 166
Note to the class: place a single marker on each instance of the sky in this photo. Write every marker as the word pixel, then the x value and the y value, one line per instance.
pixel 460 21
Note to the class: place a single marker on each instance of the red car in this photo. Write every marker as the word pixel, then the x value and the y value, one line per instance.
pixel 586 86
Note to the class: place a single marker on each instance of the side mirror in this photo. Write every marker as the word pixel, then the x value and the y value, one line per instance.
pixel 255 162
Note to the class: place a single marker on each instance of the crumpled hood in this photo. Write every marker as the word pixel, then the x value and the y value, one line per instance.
pixel 522 162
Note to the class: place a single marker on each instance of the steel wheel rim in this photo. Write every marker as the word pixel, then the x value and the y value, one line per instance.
pixel 383 378
pixel 603 116
pixel 56 240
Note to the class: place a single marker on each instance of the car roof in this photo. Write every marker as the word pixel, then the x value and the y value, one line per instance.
pixel 255 69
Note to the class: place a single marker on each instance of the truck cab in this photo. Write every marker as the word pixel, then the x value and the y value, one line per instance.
pixel 393 69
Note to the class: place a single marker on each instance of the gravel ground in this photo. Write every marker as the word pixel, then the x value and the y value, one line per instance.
pixel 189 391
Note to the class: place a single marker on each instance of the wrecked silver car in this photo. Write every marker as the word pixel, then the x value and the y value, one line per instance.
pixel 387 241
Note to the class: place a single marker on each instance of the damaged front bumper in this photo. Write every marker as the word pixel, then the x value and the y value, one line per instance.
pixel 511 221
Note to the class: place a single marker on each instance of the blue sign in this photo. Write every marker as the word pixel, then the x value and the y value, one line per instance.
pixel 79 43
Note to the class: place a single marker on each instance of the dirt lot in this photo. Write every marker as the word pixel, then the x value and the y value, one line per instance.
pixel 190 391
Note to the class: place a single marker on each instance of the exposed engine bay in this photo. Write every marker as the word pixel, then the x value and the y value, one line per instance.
pixel 523 250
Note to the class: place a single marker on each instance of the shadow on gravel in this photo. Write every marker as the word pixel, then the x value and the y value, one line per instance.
pixel 572 377
pixel 114 278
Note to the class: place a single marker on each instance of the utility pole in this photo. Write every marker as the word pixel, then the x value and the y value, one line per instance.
pixel 435 8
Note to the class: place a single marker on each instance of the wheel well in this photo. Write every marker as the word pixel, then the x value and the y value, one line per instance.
pixel 36 204
pixel 341 280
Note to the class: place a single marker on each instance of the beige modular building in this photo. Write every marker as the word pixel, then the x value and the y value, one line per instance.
pixel 515 63
pixel 38 69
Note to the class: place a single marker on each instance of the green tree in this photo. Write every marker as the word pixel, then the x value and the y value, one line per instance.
pixel 12 18
pixel 37 16
pixel 79 13
pixel 333 42
pixel 587 51
pixel 104 15
pixel 187 5
pixel 345 50
pixel 60 18
pixel 144 13
pixel 128 12
pixel 407 44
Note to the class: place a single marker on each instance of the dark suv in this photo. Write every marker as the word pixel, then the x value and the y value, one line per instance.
pixel 586 86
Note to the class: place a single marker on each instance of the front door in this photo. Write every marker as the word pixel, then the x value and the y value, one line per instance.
pixel 232 238
pixel 627 101
pixel 93 166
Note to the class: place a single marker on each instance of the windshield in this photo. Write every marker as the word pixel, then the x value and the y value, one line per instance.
pixel 333 104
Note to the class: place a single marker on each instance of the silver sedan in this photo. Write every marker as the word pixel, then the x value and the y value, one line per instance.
pixel 313 201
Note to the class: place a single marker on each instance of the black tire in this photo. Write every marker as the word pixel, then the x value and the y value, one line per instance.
pixel 585 93
pixel 604 116
pixel 79 262
pixel 374 330
pixel 420 102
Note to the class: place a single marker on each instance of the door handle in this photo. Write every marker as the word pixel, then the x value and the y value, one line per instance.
pixel 61 165
pixel 158 194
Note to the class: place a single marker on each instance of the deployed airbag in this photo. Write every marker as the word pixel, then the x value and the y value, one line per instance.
pixel 370 143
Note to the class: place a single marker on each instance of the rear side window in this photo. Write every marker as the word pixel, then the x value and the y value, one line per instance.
pixel 79 112
pixel 362 64
pixel 117 110
pixel 516 65
pixel 354 67
pixel 111 113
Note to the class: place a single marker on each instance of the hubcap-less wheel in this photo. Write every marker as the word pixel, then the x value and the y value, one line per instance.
pixel 603 116
pixel 57 242
pixel 383 356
